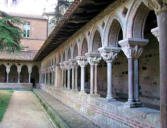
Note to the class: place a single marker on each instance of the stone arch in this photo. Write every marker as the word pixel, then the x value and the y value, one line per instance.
pixel 69 54
pixel 84 48
pixel 75 50
pixel 2 73
pixel 64 56
pixel 113 31
pixel 24 74
pixel 35 75
pixel 13 74
pixel 97 42
pixel 136 20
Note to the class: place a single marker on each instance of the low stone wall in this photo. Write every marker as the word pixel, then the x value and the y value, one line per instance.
pixel 17 86
pixel 104 114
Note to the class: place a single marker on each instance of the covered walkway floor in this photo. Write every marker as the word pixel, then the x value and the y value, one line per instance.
pixel 65 116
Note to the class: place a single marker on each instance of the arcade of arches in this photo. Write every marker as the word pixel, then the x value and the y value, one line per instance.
pixel 115 62
pixel 20 73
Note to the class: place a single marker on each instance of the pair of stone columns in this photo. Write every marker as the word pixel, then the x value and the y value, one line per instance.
pixel 93 59
pixel 74 67
pixel 133 49
pixel 82 62
pixel 71 64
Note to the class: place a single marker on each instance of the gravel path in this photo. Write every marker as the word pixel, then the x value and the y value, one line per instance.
pixel 25 111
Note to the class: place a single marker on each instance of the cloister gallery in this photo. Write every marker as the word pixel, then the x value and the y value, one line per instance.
pixel 102 60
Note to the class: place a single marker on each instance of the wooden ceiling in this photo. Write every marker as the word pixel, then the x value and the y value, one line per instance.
pixel 78 14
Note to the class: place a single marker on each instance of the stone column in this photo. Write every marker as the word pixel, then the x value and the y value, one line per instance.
pixel 109 54
pixel 68 66
pixel 49 77
pixel 91 78
pixel 136 81
pixel 29 73
pixel 45 78
pixel 18 71
pixel 82 62
pixel 162 23
pixel 132 48
pixel 65 78
pixel 62 74
pixel 73 65
pixel 95 89
pixel 7 74
pixel 76 78
pixel 93 59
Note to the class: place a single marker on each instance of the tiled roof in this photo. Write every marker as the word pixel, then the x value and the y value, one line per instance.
pixel 77 15
pixel 23 56
pixel 27 16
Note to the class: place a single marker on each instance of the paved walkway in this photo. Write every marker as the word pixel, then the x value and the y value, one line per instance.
pixel 68 115
pixel 25 111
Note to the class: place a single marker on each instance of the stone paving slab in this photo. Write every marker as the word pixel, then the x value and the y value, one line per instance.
pixel 67 114
pixel 25 111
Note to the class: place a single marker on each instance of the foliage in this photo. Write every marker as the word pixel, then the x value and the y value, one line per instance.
pixel 4 101
pixel 10 33
pixel 58 12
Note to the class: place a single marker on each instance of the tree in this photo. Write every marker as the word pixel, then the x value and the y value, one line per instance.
pixel 62 5
pixel 10 33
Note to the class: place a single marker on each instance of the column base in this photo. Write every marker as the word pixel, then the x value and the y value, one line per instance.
pixel 133 104
pixel 110 99
pixel 95 95
pixel 138 104
pixel 82 93
pixel 76 90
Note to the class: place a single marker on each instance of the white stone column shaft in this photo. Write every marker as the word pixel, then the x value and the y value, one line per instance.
pixel 68 82
pixel 95 88
pixel 109 81
pixel 76 78
pixel 91 79
pixel 29 77
pixel 136 81
pixel 73 78
pixel 82 78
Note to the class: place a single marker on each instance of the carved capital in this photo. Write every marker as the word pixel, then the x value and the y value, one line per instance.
pixel 7 69
pixel 133 48
pixel 155 32
pixel 109 53
pixel 73 63
pixel 93 58
pixel 157 5
pixel 67 65
pixel 19 69
pixel 82 61
pixel 62 66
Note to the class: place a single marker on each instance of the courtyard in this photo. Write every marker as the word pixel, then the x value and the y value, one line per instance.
pixel 84 64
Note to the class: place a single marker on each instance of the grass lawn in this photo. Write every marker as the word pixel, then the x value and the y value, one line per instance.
pixel 5 96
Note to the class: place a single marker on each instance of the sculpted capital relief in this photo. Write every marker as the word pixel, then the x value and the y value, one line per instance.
pixel 93 58
pixel 82 61
pixel 132 51
pixel 109 53
pixel 157 5
pixel 132 47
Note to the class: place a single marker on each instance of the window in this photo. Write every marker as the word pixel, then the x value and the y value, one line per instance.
pixel 27 29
